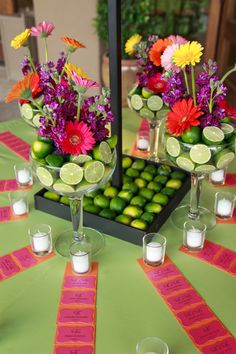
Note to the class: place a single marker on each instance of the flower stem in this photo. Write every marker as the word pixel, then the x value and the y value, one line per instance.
pixel 67 59
pixel 186 81
pixel 38 106
pixel 79 105
pixel 228 73
pixel 193 86
pixel 31 60
pixel 46 49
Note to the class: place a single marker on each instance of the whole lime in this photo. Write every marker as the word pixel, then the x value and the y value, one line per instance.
pixel 192 136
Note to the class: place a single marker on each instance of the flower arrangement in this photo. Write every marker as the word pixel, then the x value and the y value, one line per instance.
pixel 51 97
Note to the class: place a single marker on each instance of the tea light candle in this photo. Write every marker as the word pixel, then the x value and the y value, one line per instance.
pixel 80 261
pixel 41 242
pixel 151 353
pixel 218 176
pixel 143 144
pixel 194 238
pixel 153 252
pixel 19 207
pixel 224 207
pixel 23 176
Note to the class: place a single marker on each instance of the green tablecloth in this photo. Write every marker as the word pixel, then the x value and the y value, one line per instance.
pixel 128 308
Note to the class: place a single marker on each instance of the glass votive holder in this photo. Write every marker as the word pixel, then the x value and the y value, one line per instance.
pixel 152 345
pixel 154 248
pixel 224 204
pixel 80 253
pixel 41 239
pixel 218 177
pixel 194 235
pixel 143 141
pixel 23 174
pixel 19 202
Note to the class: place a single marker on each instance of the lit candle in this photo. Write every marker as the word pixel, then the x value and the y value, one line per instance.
pixel 194 238
pixel 154 252
pixel 224 207
pixel 23 176
pixel 218 176
pixel 19 207
pixel 142 144
pixel 80 261
pixel 41 242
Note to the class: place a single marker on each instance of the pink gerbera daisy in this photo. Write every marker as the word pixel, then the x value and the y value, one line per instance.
pixel 166 58
pixel 44 29
pixel 82 82
pixel 79 138
pixel 177 39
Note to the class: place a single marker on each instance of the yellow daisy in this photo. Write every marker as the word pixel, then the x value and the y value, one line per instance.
pixel 21 39
pixel 71 67
pixel 131 43
pixel 188 54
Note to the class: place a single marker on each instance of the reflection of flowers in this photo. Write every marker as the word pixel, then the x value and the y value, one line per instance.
pixel 182 116
pixel 78 138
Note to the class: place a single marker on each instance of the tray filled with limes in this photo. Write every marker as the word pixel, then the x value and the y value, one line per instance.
pixel 149 193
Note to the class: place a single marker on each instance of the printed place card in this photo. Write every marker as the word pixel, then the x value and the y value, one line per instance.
pixel 73 350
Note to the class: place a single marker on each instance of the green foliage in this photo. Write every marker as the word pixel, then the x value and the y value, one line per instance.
pixel 145 17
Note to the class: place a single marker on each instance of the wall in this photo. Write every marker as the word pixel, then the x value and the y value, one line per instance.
pixel 72 18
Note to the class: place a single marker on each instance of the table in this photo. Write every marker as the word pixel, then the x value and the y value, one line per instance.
pixel 128 308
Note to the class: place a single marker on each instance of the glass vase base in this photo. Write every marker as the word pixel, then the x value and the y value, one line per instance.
pixel 180 216
pixel 65 240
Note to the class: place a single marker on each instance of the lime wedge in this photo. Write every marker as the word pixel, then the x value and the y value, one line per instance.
pixel 93 171
pixel 173 147
pixel 71 173
pixel 224 158
pixel 36 119
pixel 146 93
pixel 212 135
pixel 44 176
pixel 184 162
pixel 61 187
pixel 227 129
pixel 200 153
pixel 80 159
pixel 146 113
pixel 136 102
pixel 27 111
pixel 154 103
pixel 102 152
pixel 136 89
pixel 205 168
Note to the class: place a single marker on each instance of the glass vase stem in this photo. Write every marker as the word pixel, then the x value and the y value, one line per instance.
pixel 76 210
pixel 196 182
pixel 154 130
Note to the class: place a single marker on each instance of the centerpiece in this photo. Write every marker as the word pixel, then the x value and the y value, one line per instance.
pixel 73 154
pixel 199 131
pixel 145 98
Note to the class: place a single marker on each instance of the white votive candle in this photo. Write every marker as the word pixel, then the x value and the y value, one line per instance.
pixel 23 176
pixel 41 242
pixel 224 207
pixel 80 261
pixel 154 252
pixel 194 238
pixel 142 144
pixel 152 353
pixel 218 176
pixel 19 207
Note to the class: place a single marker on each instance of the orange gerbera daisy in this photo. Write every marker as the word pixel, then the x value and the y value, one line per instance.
pixel 157 50
pixel 25 88
pixel 73 44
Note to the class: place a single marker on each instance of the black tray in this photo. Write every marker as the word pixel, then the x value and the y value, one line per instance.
pixel 111 227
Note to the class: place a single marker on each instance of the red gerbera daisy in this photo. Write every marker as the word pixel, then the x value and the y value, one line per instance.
pixel 182 116
pixel 229 110
pixel 79 138
pixel 156 84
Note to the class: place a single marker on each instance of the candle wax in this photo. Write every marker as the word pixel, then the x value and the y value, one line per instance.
pixel 194 238
pixel 19 207
pixel 80 262
pixel 154 252
pixel 143 144
pixel 23 176
pixel 218 176
pixel 41 242
pixel 224 207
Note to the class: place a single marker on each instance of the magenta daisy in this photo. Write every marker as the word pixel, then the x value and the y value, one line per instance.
pixel 82 82
pixel 43 30
pixel 166 58
pixel 79 139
